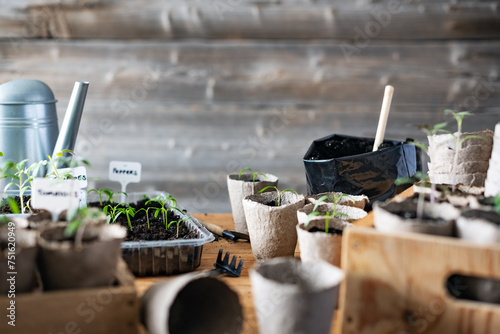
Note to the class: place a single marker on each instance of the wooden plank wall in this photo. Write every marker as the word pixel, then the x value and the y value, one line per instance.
pixel 196 89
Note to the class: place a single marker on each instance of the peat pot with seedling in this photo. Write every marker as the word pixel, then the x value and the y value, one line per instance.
pixel 243 184
pixel 271 219
pixel 322 224
pixel 162 239
pixel 82 252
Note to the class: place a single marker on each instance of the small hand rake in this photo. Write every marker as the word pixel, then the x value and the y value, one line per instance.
pixel 222 266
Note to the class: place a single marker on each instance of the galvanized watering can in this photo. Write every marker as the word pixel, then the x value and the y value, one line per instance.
pixel 28 120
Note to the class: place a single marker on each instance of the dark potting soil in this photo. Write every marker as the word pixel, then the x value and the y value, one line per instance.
pixel 337 148
pixel 330 230
pixel 491 216
pixel 271 203
pixel 413 215
pixel 5 207
pixel 157 228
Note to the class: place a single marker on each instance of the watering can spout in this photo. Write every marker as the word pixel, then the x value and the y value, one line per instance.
pixel 71 122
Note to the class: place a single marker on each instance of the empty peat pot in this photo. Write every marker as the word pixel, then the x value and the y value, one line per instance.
pixel 293 297
pixel 347 164
pixel 191 303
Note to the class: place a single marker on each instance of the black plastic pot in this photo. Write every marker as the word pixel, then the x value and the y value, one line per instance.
pixel 347 164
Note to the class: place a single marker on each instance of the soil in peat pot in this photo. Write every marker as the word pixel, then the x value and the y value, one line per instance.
pixel 413 215
pixel 5 207
pixel 157 228
pixel 330 231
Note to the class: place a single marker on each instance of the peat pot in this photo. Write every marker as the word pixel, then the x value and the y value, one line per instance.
pixel 242 186
pixel 294 297
pixel 192 303
pixel 65 263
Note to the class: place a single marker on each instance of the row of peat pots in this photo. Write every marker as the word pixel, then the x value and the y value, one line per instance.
pixel 290 295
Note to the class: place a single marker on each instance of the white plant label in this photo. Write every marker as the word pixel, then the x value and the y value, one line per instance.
pixel 125 172
pixel 79 174
pixel 55 195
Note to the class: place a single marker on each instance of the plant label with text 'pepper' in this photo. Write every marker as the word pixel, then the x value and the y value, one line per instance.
pixel 55 195
pixel 125 172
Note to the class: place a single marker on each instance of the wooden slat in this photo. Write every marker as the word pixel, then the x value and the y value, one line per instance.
pixel 250 19
pixel 129 74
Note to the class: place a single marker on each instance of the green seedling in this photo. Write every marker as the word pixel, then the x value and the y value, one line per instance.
pixel 112 211
pixel 278 191
pixel 129 212
pixel 429 132
pixel 60 159
pixel 108 192
pixel 333 214
pixel 163 208
pixel 19 181
pixel 254 174
pixel 178 222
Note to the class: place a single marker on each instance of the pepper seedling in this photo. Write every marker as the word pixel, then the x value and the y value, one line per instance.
pixel 163 208
pixel 108 192
pixel 278 191
pixel 112 211
pixel 129 212
pixel 178 222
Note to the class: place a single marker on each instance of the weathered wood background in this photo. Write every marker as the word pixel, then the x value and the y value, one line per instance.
pixel 196 89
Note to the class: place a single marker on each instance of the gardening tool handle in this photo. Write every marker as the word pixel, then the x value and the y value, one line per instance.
pixel 212 227
pixel 384 114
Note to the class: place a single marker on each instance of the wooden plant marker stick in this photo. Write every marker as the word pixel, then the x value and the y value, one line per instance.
pixel 384 114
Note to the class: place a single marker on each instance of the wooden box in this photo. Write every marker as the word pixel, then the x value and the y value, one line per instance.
pixel 109 309
pixel 397 284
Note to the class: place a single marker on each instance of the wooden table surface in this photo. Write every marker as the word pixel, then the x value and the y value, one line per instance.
pixel 240 284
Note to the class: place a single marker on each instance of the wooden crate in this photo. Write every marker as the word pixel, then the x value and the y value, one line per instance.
pixel 110 309
pixel 396 284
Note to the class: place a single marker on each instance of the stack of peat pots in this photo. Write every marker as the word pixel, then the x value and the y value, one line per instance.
pixel 472 159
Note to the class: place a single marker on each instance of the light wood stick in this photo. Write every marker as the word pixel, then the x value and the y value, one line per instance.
pixel 384 114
